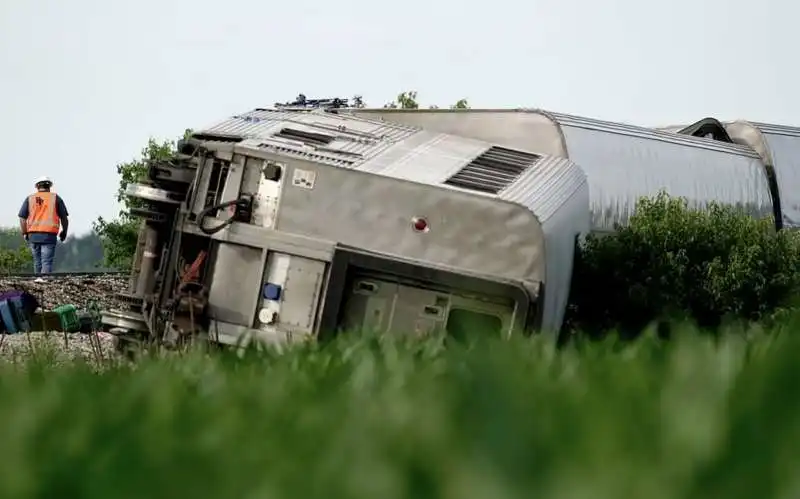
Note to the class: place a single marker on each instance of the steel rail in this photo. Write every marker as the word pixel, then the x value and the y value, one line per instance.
pixel 63 275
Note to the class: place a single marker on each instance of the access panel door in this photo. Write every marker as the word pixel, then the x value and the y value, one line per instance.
pixel 368 305
pixel 386 295
pixel 385 306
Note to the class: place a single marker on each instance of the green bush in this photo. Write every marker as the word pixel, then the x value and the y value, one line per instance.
pixel 14 253
pixel 707 265
pixel 16 260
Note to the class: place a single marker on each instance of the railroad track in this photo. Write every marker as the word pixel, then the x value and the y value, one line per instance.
pixel 63 275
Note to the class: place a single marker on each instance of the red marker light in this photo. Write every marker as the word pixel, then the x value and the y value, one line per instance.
pixel 420 224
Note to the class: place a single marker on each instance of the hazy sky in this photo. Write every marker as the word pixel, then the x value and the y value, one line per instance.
pixel 84 83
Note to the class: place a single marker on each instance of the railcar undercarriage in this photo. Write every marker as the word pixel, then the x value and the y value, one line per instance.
pixel 166 291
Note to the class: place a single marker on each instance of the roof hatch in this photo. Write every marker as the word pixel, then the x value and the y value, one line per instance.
pixel 492 171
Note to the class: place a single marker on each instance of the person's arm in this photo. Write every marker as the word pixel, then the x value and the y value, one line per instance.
pixel 63 215
pixel 23 218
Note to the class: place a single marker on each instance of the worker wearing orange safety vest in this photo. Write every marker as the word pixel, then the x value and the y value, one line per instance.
pixel 42 215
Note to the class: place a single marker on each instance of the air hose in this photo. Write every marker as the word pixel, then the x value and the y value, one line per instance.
pixel 243 203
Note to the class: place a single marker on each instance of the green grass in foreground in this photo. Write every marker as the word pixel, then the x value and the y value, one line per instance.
pixel 374 419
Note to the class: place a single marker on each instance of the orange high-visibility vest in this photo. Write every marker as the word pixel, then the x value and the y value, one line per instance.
pixel 42 213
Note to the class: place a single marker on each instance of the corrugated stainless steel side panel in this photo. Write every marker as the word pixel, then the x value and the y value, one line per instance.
pixel 497 125
pixel 621 168
pixel 545 186
pixel 777 146
pixel 633 131
pixel 773 129
pixel 783 145
pixel 557 192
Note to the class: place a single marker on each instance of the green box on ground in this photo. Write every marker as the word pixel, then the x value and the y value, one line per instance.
pixel 68 316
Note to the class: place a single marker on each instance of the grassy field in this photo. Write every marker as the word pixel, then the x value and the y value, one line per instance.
pixel 362 418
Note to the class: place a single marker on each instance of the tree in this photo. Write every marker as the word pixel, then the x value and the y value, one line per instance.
pixel 79 254
pixel 408 100
pixel 14 254
pixel 405 100
pixel 76 254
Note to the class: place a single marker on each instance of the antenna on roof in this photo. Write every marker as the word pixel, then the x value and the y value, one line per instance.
pixel 302 102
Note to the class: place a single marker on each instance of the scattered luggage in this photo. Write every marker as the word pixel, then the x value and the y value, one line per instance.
pixel 17 308
pixel 7 315
pixel 68 316
pixel 19 313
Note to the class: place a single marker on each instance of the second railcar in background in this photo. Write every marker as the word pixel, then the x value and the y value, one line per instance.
pixel 778 146
pixel 622 162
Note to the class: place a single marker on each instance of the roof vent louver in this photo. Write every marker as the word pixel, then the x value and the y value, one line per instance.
pixel 308 138
pixel 493 170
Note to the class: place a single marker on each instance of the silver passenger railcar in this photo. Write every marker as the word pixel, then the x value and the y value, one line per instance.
pixel 278 225
pixel 622 162
pixel 778 146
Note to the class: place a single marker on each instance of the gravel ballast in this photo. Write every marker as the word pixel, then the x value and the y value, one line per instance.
pixel 57 347
pixel 72 290
pixel 63 290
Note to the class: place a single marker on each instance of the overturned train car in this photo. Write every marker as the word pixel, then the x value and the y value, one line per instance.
pixel 622 162
pixel 778 146
pixel 278 226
